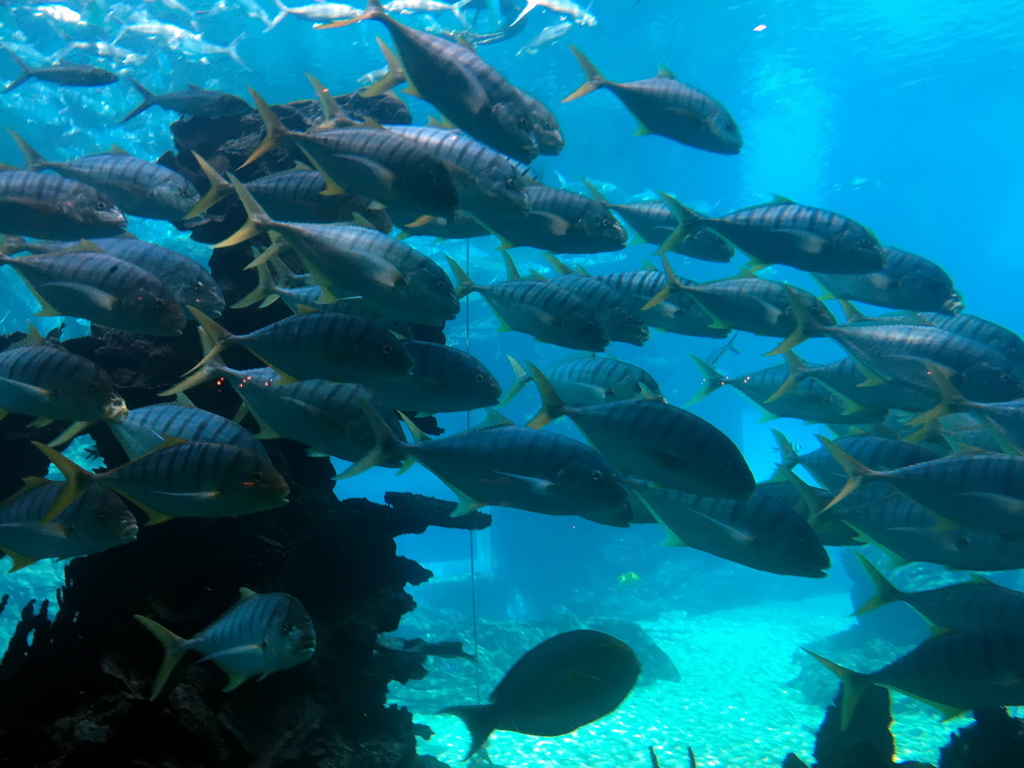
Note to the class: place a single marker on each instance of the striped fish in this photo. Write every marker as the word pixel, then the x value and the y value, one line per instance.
pixel 315 345
pixel 955 672
pixel 664 106
pixel 95 521
pixel 592 380
pixel 146 428
pixel 137 186
pixel 547 133
pixel 808 501
pixel 977 604
pixel 543 310
pixel 62 74
pixel 679 314
pixel 655 440
pixel 181 479
pixel 48 382
pixel 346 260
pixel 1001 339
pixel 460 84
pixel 40 205
pixel 257 636
pixel 760 531
pixel 102 289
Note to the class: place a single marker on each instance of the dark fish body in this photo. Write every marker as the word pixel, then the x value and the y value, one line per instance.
pixel 561 222
pixel 95 521
pixel 759 531
pixel 321 345
pixel 41 205
pixel 146 428
pixel 547 133
pixel 296 196
pixel 1006 420
pixel 444 379
pixel 1001 339
pixel 325 415
pixel 51 383
pixel 62 74
pixel 258 635
pixel 679 313
pixel 465 88
pixel 594 380
pixel 807 501
pixel 101 289
pixel 904 353
pixel 905 281
pixel 800 236
pixel 488 181
pixel 616 311
pixel 653 221
pixel 195 101
pixel 188 280
pixel 543 310
pixel 510 466
pixel 564 683
pixel 880 453
pixel 664 106
pixel 845 377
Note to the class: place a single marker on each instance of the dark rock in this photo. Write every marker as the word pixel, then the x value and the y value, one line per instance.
pixel 866 743
pixel 993 740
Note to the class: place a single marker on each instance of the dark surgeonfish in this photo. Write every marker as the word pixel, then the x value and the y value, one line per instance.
pixel 562 684
pixel 62 74
pixel 465 88
pixel 257 636
pixel 954 672
pixel 40 205
pixel 195 102
pixel 137 186
pixel 664 106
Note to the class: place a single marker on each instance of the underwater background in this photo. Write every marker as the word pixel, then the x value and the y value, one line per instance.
pixel 902 115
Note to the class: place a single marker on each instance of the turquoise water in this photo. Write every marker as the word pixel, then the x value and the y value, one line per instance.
pixel 903 115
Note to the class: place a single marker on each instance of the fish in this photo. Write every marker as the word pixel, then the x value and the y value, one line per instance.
pixel 654 440
pixel 999 338
pixel 194 43
pixel 758 531
pixel 543 310
pixel 180 479
pixel 564 8
pixel 40 205
pixel 954 672
pixel 315 12
pixel 905 281
pixel 317 345
pixel 101 289
pixel 77 75
pixel 444 380
pixel 545 38
pixel 96 521
pixel 679 314
pixel 398 281
pixel 257 636
pixel 977 604
pixel 590 380
pixel 146 428
pixel 546 132
pixel 407 7
pixel 458 82
pixel 46 381
pixel 193 101
pixel 501 464
pixel 562 684
pixel 664 106
pixel 138 187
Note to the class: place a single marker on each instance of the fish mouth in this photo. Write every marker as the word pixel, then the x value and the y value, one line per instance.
pixel 954 304
pixel 116 410
pixel 129 533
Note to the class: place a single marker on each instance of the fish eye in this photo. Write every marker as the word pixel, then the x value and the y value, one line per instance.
pixel 387 349
pixel 184 192
pixel 100 205
pixel 510 182
pixel 523 123
pixel 597 474
pixel 103 514
pixel 606 222
pixel 285 628
pixel 479 378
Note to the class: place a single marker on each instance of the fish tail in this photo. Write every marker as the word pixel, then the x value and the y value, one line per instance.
pixel 551 405
pixel 594 78
pixel 174 649
pixel 673 285
pixel 852 314
pixel 219 187
pixel 456 11
pixel 214 338
pixel 274 127
pixel 385 443
pixel 885 592
pixel 463 285
pixel 686 222
pixel 856 473
pixel 594 191
pixel 395 75
pixel 266 286
pixel 257 222
pixel 711 382
pixel 374 12
pixel 807 495
pixel 147 100
pixel 530 5
pixel 788 457
pixel 333 115
pixel 77 479
pixel 522 378
pixel 950 399
pixel 806 326
pixel 232 51
pixel 282 14
pixel 33 160
pixel 26 71
pixel 855 684
pixel 479 719
pixel 797 373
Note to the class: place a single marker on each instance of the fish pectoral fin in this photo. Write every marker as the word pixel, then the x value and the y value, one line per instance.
pixel 27 389
pixel 76 291
pixel 736 535
pixel 358 172
pixel 20 561
pixel 772 312
pixel 997 501
pixel 556 225
pixel 238 651
pixel 536 485
pixel 801 240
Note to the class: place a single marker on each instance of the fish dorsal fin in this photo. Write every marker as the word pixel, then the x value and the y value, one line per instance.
pixel 169 441
pixel 301 166
pixel 778 199
pixel 193 87
pixel 418 435
pixel 511 273
pixel 244 593
pixel 117 149
pixel 664 71
pixel 560 267
pixel 494 419
pixel 182 401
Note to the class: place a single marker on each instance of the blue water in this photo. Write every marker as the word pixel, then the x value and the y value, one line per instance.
pixel 904 115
